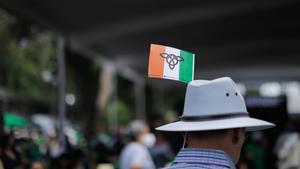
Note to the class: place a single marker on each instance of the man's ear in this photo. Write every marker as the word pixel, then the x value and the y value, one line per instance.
pixel 235 135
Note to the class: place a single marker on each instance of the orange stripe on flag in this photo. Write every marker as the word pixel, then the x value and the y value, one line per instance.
pixel 156 62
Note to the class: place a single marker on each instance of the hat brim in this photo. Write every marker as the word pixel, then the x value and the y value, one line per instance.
pixel 251 124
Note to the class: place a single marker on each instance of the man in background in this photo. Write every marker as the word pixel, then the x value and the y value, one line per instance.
pixel 135 155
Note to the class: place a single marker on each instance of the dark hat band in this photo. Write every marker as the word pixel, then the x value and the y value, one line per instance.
pixel 213 117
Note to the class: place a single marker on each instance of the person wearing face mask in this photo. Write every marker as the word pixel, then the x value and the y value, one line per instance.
pixel 135 155
pixel 214 124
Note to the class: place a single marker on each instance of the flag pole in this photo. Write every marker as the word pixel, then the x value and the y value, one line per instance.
pixel 61 89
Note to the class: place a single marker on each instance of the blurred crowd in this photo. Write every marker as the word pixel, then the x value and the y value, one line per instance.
pixel 38 151
pixel 136 144
pixel 30 153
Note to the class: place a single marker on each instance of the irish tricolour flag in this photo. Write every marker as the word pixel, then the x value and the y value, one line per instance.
pixel 171 63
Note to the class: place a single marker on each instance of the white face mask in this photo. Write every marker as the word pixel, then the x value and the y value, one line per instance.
pixel 148 140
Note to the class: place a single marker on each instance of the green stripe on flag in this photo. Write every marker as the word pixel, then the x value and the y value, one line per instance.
pixel 186 66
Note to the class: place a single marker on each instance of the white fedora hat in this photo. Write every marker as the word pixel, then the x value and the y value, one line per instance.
pixel 214 105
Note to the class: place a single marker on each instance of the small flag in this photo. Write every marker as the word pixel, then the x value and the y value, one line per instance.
pixel 171 63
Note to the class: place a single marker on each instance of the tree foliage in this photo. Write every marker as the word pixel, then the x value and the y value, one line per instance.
pixel 25 54
pixel 118 111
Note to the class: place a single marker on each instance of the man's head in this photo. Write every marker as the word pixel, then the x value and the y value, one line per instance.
pixel 138 129
pixel 228 140
pixel 212 107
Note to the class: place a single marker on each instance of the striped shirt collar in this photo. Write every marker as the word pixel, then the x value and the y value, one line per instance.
pixel 204 156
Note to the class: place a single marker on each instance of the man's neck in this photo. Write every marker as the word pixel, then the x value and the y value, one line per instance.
pixel 207 146
pixel 215 144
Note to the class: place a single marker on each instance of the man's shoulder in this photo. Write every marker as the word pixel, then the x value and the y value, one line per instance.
pixel 193 158
pixel 135 147
pixel 192 166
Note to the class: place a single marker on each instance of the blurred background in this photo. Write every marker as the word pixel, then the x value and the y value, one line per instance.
pixel 73 75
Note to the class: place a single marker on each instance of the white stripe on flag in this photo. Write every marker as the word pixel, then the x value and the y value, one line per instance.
pixel 171 73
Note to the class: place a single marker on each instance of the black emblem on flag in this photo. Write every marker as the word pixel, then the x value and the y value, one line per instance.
pixel 172 59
